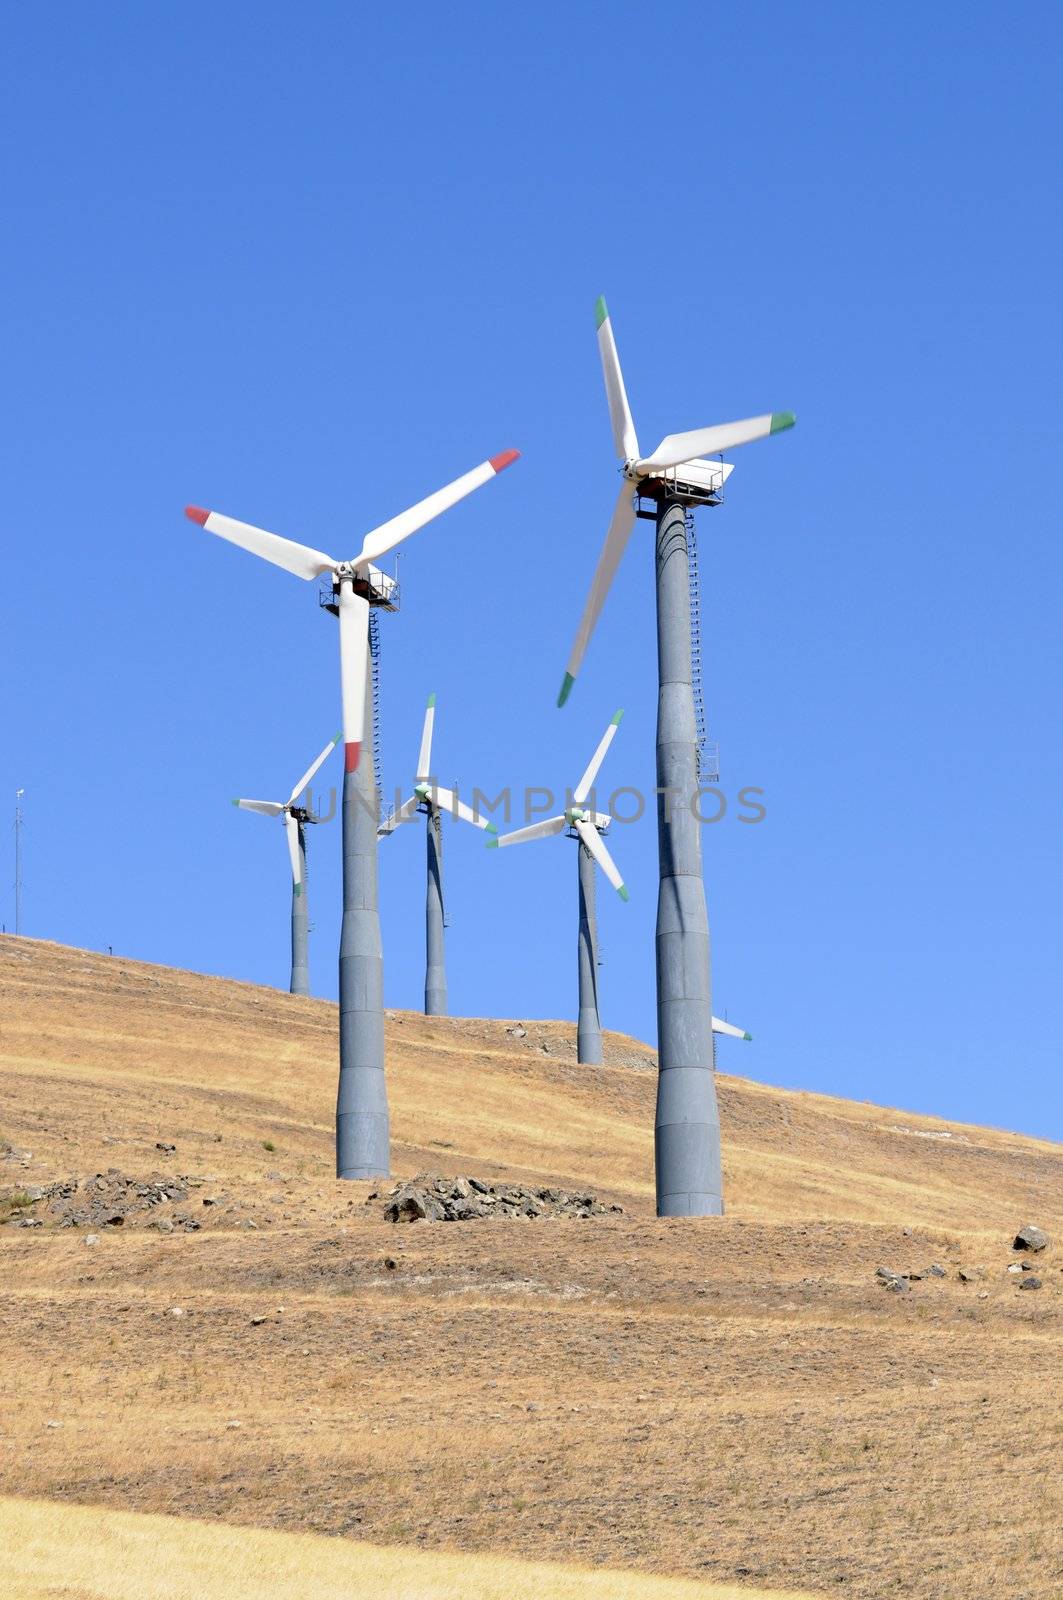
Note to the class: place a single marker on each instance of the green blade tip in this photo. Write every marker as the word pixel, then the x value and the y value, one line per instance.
pixel 600 312
pixel 616 719
pixel 748 1036
pixel 566 688
pixel 492 844
pixel 338 737
pixel 297 889
pixel 236 802
pixel 490 827
pixel 781 420
pixel 622 892
pixel 431 701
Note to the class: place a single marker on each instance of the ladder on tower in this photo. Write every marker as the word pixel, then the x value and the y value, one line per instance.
pixel 374 658
pixel 707 751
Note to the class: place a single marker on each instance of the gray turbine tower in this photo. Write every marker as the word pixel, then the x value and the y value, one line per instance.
pixel 362 1128
pixel 433 801
pixel 586 827
pixel 296 820
pixel 673 478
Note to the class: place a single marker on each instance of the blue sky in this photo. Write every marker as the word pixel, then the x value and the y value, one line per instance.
pixel 306 264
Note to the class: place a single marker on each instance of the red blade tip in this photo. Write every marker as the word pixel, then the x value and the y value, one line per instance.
pixel 351 753
pixel 506 459
pixel 197 514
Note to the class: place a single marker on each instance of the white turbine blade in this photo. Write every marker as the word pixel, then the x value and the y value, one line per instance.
pixel 311 772
pixel 587 781
pixel 291 828
pixel 596 845
pixel 676 448
pixel 424 760
pixel 354 665
pixel 627 446
pixel 447 800
pixel 616 539
pixel 297 558
pixel 403 814
pixel 538 830
pixel 730 1029
pixel 389 534
pixel 268 808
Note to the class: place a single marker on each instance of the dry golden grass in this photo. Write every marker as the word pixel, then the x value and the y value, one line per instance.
pixel 101 1057
pixel 49 1551
pixel 735 1400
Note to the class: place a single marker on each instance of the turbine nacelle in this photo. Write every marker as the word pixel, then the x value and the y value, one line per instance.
pixel 597 819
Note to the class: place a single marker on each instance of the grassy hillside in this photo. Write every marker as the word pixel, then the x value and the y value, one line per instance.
pixel 102 1057
pixel 738 1401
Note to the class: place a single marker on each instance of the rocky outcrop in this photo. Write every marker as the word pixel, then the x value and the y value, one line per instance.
pixel 431 1198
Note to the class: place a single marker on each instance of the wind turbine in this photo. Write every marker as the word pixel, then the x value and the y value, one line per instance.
pixel 587 828
pixel 296 819
pixel 362 1123
pixel 675 477
pixel 433 801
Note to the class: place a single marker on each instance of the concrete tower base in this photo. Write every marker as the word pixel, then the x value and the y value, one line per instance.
pixel 687 1129
pixel 362 1125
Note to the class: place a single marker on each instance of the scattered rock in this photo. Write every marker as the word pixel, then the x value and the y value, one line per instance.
pixel 110 1199
pixel 256 1322
pixel 177 1311
pixel 1014 1267
pixel 431 1198
pixel 1030 1238
pixel 1029 1281
pixel 518 1031
pixel 968 1275
pixel 92 1238
pixel 936 1270
pixel 413 1205
pixel 167 1149
pixel 234 1424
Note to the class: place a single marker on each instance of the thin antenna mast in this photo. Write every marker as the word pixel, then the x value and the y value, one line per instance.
pixel 18 860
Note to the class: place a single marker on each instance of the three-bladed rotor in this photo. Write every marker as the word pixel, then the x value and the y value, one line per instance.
pixel 651 475
pixel 292 814
pixel 429 794
pixel 588 826
pixel 349 578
